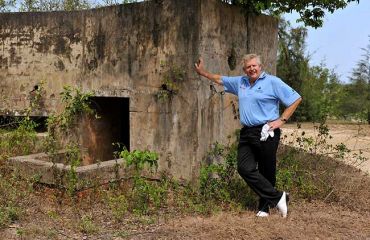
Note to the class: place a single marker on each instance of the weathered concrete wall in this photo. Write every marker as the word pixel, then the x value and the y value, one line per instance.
pixel 127 51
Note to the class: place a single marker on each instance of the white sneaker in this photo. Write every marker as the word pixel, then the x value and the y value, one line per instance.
pixel 262 214
pixel 282 205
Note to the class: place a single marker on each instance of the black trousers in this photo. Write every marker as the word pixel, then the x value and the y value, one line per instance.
pixel 257 165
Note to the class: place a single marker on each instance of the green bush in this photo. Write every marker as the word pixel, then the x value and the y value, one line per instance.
pixel 220 182
pixel 8 214
pixel 21 141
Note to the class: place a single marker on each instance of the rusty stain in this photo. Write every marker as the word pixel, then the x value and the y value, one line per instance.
pixel 14 59
pixel 59 65
pixel 91 143
pixel 44 45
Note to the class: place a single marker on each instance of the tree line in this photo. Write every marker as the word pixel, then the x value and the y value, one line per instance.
pixel 56 5
pixel 325 96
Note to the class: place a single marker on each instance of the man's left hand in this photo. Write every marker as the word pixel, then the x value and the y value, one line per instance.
pixel 276 124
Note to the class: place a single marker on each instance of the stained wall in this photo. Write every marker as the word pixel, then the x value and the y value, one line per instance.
pixel 136 51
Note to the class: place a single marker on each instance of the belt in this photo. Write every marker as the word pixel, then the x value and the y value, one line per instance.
pixel 251 127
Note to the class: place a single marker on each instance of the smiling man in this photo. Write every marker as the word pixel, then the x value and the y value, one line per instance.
pixel 259 96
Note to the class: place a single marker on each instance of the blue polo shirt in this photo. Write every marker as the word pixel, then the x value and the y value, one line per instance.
pixel 259 103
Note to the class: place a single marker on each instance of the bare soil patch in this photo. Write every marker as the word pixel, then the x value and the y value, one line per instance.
pixel 356 137
pixel 314 220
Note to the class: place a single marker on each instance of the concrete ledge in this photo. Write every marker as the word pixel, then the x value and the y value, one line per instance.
pixel 37 167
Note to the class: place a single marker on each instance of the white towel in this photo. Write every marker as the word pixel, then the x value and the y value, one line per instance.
pixel 266 132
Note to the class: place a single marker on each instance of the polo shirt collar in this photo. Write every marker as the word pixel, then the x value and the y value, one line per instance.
pixel 246 78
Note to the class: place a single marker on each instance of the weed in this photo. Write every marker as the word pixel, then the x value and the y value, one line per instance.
pixel 144 195
pixel 74 159
pixel 52 214
pixel 87 225
pixel 219 182
pixel 292 175
pixel 9 214
pixel 140 159
pixel 75 103
pixel 143 192
pixel 119 206
pixel 20 232
pixel 20 141
pixel 122 234
pixel 172 77
pixel 51 234
pixel 10 209
pixel 36 98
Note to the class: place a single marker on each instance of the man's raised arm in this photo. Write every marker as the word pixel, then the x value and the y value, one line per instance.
pixel 199 68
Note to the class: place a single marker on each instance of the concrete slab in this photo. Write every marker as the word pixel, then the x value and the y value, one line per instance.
pixel 38 166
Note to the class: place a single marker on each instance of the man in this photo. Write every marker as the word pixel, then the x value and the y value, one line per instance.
pixel 259 95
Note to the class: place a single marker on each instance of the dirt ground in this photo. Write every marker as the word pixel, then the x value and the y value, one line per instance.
pixel 313 220
pixel 356 137
pixel 347 218
pixel 306 220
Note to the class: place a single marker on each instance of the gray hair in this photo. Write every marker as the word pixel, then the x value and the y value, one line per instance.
pixel 248 57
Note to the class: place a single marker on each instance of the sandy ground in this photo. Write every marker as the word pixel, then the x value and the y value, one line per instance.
pixel 310 220
pixel 355 137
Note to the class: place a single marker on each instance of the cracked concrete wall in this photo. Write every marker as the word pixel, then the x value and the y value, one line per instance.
pixel 129 51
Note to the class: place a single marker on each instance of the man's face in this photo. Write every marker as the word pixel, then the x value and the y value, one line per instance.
pixel 252 69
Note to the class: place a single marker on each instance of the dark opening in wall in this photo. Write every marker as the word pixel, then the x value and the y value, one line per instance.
pixel 13 122
pixel 231 59
pixel 101 135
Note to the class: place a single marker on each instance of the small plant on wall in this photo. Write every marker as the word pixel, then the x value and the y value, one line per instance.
pixel 75 103
pixel 36 97
pixel 172 76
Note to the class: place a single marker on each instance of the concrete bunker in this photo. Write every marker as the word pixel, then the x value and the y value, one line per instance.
pixel 118 52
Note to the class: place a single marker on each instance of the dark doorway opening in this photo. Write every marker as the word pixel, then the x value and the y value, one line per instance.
pixel 110 131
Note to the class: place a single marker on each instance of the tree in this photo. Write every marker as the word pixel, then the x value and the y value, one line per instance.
pixel 53 5
pixel 70 5
pixel 311 12
pixel 292 64
pixel 334 93
pixel 6 5
pixel 322 90
pixel 320 87
pixel 110 2
pixel 360 86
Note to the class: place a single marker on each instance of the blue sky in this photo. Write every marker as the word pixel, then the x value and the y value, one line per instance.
pixel 338 43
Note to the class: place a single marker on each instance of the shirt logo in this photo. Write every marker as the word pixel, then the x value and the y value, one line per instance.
pixel 259 90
